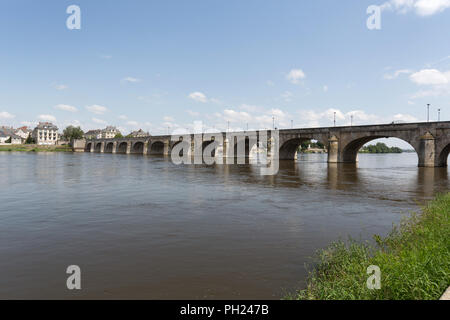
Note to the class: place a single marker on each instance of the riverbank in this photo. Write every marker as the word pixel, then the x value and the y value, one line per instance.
pixel 414 260
pixel 34 148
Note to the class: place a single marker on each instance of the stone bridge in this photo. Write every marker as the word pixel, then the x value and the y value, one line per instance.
pixel 430 140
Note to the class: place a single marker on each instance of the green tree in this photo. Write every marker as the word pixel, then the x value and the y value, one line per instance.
pixel 118 136
pixel 380 148
pixel 72 132
pixel 30 140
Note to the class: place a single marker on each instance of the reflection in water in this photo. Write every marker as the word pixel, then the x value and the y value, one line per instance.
pixel 142 227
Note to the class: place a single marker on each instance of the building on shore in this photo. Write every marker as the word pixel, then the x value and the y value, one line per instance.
pixel 93 134
pixel 110 132
pixel 23 132
pixel 8 136
pixel 139 134
pixel 45 133
pixel 107 133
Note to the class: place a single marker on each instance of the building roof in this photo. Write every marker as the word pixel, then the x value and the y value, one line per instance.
pixel 24 129
pixel 6 133
pixel 46 125
pixel 97 131
pixel 110 128
pixel 140 132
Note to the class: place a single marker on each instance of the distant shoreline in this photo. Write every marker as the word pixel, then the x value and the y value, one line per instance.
pixel 34 148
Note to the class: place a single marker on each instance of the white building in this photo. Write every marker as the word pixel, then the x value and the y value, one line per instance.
pixel 23 132
pixel 7 136
pixel 46 133
pixel 107 133
pixel 139 134
pixel 93 134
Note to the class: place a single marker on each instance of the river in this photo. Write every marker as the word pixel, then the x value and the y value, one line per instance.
pixel 143 228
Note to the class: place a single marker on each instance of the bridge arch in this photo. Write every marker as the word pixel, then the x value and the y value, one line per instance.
pixel 156 148
pixel 122 147
pixel 138 147
pixel 289 148
pixel 443 156
pixel 88 147
pixel 350 150
pixel 98 147
pixel 109 147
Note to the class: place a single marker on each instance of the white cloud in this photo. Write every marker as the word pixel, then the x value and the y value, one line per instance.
pixel 405 118
pixel 436 91
pixel 420 7
pixel 295 75
pixel 429 77
pixel 437 82
pixel 47 117
pixel 29 124
pixel 250 108
pixel 99 121
pixel 60 87
pixel 311 118
pixel 131 79
pixel 168 119
pixel 6 115
pixel 96 109
pixel 198 96
pixel 65 107
pixel 325 88
pixel 430 7
pixel 122 117
pixel 396 74
pixel 236 116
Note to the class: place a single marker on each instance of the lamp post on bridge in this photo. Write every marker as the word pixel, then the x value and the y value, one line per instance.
pixel 428 112
pixel 439 115
pixel 335 118
pixel 351 121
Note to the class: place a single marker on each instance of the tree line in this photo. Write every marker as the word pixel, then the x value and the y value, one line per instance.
pixel 380 148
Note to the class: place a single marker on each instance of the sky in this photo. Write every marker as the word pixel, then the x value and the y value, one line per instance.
pixel 163 65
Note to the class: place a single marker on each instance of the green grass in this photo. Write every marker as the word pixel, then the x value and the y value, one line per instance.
pixel 34 148
pixel 414 260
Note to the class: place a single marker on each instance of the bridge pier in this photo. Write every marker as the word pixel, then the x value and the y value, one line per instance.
pixel 102 147
pixel 166 151
pixel 427 151
pixel 128 147
pixel 92 147
pixel 333 150
pixel 114 149
pixel 145 149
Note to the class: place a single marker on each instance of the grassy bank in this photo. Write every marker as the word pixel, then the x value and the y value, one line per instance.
pixel 414 260
pixel 33 148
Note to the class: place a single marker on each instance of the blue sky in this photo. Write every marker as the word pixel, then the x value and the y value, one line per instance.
pixel 159 64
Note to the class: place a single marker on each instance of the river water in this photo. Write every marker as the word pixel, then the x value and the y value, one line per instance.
pixel 141 227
